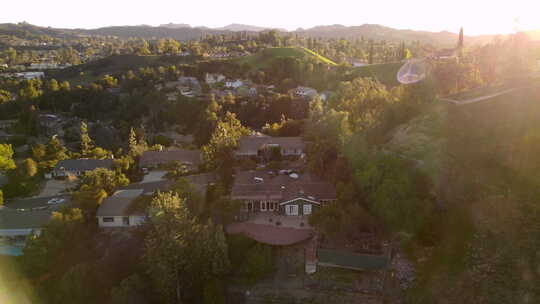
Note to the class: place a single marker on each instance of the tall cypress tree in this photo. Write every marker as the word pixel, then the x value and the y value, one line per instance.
pixel 460 40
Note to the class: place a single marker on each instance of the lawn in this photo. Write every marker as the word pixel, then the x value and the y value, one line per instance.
pixel 385 73
pixel 264 58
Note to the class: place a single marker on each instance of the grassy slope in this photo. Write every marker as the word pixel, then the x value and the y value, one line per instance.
pixel 385 73
pixel 263 59
pixel 422 139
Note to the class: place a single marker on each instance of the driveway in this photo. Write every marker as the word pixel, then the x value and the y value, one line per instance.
pixel 154 176
pixel 55 187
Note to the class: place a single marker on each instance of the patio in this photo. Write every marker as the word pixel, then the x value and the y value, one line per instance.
pixel 264 228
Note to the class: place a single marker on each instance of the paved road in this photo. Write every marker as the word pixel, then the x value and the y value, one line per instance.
pixel 478 99
pixel 30 203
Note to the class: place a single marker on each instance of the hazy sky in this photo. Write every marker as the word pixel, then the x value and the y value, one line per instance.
pixel 476 16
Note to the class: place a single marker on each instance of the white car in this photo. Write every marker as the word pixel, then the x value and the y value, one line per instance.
pixel 54 201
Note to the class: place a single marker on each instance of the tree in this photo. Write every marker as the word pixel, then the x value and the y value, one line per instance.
pixel 29 168
pixel 181 253
pixel 371 53
pixel 104 179
pixel 88 199
pixel 6 157
pixel 86 142
pixel 460 40
pixel 1 198
pixel 218 153
pixel 60 243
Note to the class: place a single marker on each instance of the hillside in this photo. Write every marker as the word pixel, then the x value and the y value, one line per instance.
pixel 235 27
pixel 187 32
pixel 111 65
pixel 379 32
pixel 264 58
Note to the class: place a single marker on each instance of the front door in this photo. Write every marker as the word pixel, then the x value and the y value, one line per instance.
pixel 307 209
pixel 291 209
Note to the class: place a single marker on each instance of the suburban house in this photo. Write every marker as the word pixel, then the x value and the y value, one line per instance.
pixel 177 138
pixel 444 54
pixel 117 210
pixel 153 159
pixel 188 81
pixel 214 78
pixel 262 146
pixel 16 226
pixel 234 84
pixel 285 193
pixel 30 75
pixel 305 92
pixel 7 124
pixel 15 223
pixel 78 167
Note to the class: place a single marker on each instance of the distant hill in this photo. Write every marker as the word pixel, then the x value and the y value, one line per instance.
pixel 175 25
pixel 187 32
pixel 264 58
pixel 379 32
pixel 235 27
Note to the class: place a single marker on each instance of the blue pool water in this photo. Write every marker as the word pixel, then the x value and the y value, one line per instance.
pixel 10 250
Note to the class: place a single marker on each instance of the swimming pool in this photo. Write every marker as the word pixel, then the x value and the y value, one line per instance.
pixel 10 250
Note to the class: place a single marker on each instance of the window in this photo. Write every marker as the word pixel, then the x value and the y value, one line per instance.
pixel 108 219
pixel 125 220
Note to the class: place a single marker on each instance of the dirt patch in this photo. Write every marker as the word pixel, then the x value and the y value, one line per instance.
pixel 55 187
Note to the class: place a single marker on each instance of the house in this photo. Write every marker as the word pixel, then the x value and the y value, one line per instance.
pixel 184 53
pixel 30 75
pixel 15 223
pixel 444 54
pixel 5 136
pixel 188 81
pixel 255 146
pixel 48 120
pixel 78 167
pixel 305 92
pixel 326 95
pixel 117 210
pixel 284 193
pixel 7 124
pixel 43 66
pixel 214 78
pixel 153 159
pixel 234 84
pixel 177 138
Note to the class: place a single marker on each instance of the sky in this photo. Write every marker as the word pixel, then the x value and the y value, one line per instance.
pixel 476 16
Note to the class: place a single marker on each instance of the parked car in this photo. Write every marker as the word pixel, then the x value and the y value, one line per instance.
pixel 55 201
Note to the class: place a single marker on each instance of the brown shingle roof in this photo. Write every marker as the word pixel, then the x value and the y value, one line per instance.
pixel 280 187
pixel 83 164
pixel 250 144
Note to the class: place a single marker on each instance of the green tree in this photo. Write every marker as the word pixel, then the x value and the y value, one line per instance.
pixel 87 143
pixel 6 157
pixel 181 253
pixel 29 168
pixel 104 179
pixel 218 153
